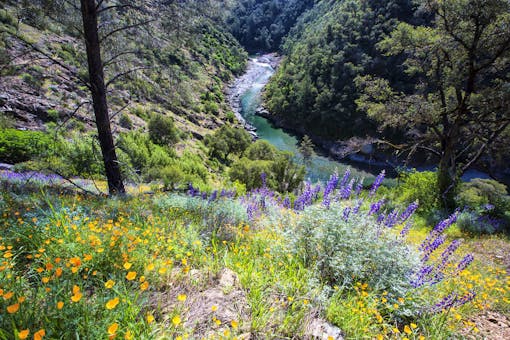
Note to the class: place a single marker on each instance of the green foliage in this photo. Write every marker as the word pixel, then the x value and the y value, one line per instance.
pixel 479 193
pixel 53 115
pixel 282 174
pixel 162 130
pixel 260 25
pixel 421 187
pixel 217 219
pixel 346 252
pixel 125 122
pixel 226 141
pixel 330 45
pixel 306 148
pixel 19 146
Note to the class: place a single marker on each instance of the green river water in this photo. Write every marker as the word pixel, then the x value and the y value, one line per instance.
pixel 320 167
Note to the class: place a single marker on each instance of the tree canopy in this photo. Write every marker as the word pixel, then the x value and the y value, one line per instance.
pixel 460 106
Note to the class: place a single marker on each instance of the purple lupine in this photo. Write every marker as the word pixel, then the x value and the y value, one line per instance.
pixel 357 207
pixel 347 174
pixel 465 262
pixel 213 196
pixel 453 301
pixel 345 190
pixel 380 218
pixel 424 271
pixel 391 219
pixel 286 202
pixel 346 213
pixel 445 255
pixel 263 176
pixel 409 211
pixel 330 187
pixel 439 229
pixel 359 187
pixel 406 229
pixel 445 303
pixel 375 207
pixel 377 183
pixel 431 247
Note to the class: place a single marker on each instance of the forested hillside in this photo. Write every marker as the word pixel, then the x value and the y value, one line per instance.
pixel 330 46
pixel 261 25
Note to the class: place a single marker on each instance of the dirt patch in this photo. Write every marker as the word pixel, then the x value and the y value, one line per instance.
pixel 493 251
pixel 214 304
pixel 489 325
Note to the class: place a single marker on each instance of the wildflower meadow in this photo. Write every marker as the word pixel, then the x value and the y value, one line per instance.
pixel 219 265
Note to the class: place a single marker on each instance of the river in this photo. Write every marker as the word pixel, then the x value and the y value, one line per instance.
pixel 245 97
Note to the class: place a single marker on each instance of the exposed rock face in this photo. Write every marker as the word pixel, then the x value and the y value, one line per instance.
pixel 322 330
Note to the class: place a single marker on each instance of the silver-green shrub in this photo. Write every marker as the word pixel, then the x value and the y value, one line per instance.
pixel 345 250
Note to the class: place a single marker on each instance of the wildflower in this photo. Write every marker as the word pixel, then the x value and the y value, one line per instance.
pixel 150 318
pixel 13 308
pixel 112 329
pixel 87 257
pixel 214 308
pixel 407 329
pixel 109 284
pixel 58 272
pixel 377 183
pixel 39 334
pixel 127 265
pixel 234 324
pixel 112 303
pixel 23 334
pixel 128 335
pixel 144 286
pixel 181 297
pixel 60 305
pixel 131 276
pixel 8 295
pixel 176 320
pixel 45 279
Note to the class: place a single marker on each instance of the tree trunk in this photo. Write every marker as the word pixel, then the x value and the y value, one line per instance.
pixel 98 91
pixel 447 177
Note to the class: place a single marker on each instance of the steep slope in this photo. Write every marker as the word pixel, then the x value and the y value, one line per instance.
pixel 261 25
pixel 313 90
pixel 176 64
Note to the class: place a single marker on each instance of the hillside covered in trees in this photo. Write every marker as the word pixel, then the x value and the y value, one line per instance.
pixel 147 191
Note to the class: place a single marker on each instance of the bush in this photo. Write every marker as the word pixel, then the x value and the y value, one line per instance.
pixel 472 223
pixel 421 187
pixel 125 122
pixel 162 130
pixel 282 173
pixel 19 146
pixel 357 250
pixel 226 141
pixel 484 196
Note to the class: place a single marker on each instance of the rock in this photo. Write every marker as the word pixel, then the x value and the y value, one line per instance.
pixel 322 330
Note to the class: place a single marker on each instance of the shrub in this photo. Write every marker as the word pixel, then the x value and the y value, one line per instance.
pixel 282 173
pixel 345 251
pixel 125 122
pixel 162 130
pixel 472 223
pixel 19 146
pixel 421 187
pixel 484 196
pixel 227 140
pixel 53 115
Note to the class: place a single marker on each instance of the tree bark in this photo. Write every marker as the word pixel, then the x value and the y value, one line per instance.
pixel 447 177
pixel 98 91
